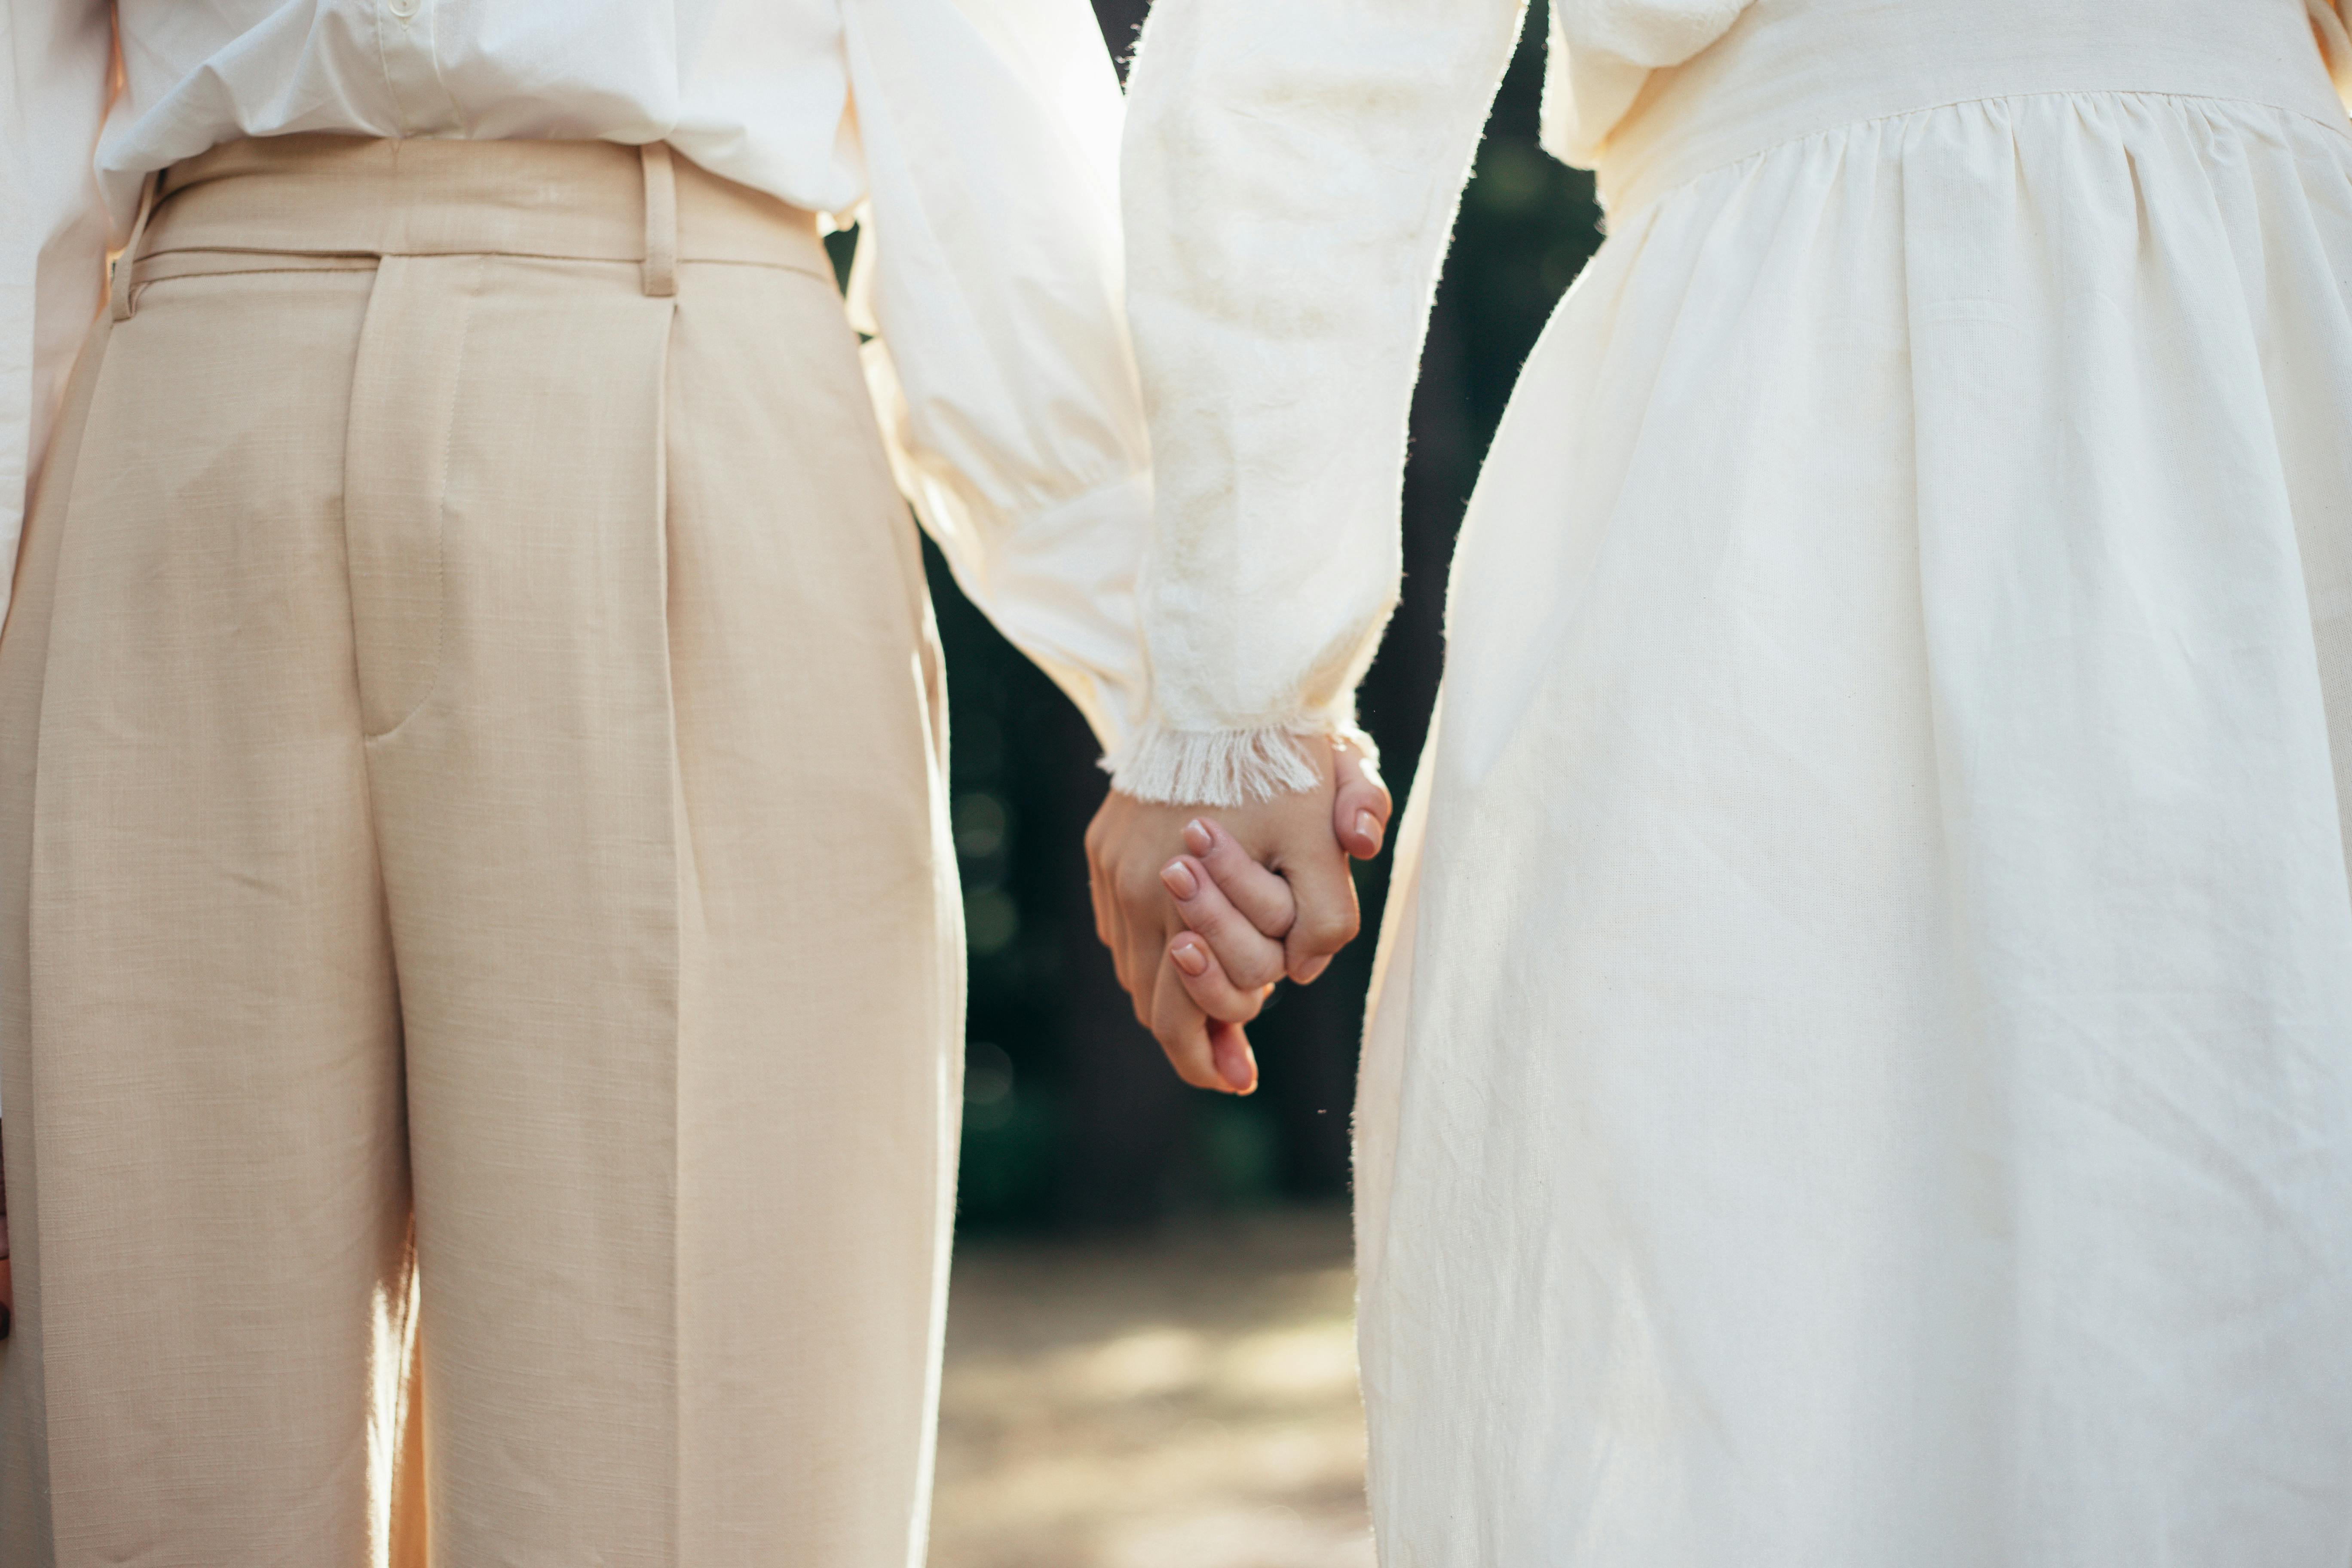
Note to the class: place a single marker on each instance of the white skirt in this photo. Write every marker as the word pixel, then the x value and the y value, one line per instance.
pixel 1862 1071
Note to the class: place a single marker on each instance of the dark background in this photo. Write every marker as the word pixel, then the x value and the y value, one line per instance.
pixel 1072 1118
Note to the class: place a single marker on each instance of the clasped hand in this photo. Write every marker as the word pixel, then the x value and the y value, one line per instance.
pixel 1203 910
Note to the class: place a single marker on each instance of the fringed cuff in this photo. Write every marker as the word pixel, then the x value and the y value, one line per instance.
pixel 1225 767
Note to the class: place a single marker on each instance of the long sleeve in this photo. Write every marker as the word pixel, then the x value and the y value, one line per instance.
pixel 990 270
pixel 1291 177
pixel 2329 18
pixel 1600 54
pixel 53 228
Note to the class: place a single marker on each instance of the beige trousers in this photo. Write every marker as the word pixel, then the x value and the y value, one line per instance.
pixel 478 952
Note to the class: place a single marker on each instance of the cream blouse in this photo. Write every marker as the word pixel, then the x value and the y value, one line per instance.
pixel 976 139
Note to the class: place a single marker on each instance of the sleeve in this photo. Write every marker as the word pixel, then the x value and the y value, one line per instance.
pixel 59 55
pixel 2328 19
pixel 989 271
pixel 1599 56
pixel 1291 174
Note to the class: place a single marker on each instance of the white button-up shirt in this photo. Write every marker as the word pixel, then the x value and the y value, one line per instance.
pixel 976 140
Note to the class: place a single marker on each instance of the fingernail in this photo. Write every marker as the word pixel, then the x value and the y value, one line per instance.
pixel 1367 829
pixel 1313 968
pixel 1179 878
pixel 1198 838
pixel 1189 959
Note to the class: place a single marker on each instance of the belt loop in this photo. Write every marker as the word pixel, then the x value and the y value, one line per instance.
pixel 119 293
pixel 661 221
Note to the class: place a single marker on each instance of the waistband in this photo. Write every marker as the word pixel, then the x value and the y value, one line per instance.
pixel 319 195
pixel 1791 69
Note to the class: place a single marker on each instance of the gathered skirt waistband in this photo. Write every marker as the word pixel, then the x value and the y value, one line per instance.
pixel 1791 69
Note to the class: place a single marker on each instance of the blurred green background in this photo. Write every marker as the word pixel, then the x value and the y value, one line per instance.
pixel 1072 1118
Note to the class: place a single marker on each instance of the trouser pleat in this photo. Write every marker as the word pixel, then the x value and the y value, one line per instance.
pixel 507 582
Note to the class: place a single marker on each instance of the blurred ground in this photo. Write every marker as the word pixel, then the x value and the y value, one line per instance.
pixel 1184 1400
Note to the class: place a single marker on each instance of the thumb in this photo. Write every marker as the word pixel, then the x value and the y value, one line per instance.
pixel 1362 805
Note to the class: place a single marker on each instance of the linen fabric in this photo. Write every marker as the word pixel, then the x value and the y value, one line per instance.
pixel 1279 342
pixel 974 141
pixel 1288 176
pixel 1862 1067
pixel 479 959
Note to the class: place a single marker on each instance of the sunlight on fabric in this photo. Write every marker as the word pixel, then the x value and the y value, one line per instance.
pixel 390 1414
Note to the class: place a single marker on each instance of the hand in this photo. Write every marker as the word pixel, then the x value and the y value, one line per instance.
pixel 1238 910
pixel 1202 915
